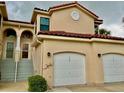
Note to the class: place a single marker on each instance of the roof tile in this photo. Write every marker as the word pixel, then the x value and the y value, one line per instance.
pixel 77 35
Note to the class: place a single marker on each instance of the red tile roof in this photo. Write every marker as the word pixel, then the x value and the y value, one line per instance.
pixel 76 35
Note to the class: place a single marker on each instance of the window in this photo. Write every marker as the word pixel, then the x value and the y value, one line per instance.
pixel 44 24
pixel 9 50
pixel 25 50
pixel 96 28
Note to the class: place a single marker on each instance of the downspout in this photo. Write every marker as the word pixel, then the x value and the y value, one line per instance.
pixel 16 68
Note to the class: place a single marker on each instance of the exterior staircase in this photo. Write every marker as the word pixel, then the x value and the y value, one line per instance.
pixel 8 66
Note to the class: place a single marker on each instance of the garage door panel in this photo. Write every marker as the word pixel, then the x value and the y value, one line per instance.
pixel 114 78
pixel 74 80
pixel 78 67
pixel 69 69
pixel 78 73
pixel 62 63
pixel 58 82
pixel 63 75
pixel 113 65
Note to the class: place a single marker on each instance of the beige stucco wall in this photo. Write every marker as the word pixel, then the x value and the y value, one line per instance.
pixel 64 46
pixel 38 60
pixel 62 21
pixel 91 49
pixel 105 48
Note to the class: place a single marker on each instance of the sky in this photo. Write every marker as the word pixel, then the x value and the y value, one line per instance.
pixel 111 12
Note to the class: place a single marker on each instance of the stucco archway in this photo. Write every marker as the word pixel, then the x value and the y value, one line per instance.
pixel 26 39
pixel 26 31
pixel 9 31
pixel 8 54
pixel 9 37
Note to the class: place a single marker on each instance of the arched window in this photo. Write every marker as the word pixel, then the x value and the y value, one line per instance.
pixel 10 37
pixel 26 38
pixel 9 49
pixel 25 49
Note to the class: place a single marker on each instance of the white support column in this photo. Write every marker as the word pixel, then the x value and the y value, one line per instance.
pixel 18 43
pixel 17 55
pixel 17 49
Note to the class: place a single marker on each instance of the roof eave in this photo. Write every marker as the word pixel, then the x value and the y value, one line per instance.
pixel 51 10
pixel 98 21
pixel 35 12
pixel 4 11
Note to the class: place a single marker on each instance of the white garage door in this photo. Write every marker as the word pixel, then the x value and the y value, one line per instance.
pixel 113 65
pixel 69 68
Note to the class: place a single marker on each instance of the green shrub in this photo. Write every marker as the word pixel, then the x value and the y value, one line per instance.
pixel 37 84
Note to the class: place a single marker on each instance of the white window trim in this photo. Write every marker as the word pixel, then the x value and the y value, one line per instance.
pixel 29 48
pixel 6 41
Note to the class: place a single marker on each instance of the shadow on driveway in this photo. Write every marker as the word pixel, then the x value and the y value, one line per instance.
pixel 112 87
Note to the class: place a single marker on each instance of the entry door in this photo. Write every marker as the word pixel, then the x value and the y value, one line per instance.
pixel 113 65
pixel 69 68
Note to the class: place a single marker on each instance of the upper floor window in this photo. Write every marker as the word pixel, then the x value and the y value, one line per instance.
pixel 25 48
pixel 44 24
pixel 9 50
pixel 96 29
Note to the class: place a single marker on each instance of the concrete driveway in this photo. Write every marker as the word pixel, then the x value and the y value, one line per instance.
pixel 23 86
pixel 113 87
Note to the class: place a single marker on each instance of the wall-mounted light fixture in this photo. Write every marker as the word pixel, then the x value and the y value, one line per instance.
pixel 48 54
pixel 99 55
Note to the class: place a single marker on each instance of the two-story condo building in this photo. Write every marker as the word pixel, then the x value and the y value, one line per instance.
pixel 61 45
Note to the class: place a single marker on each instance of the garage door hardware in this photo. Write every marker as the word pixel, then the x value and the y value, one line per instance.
pixel 47 66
